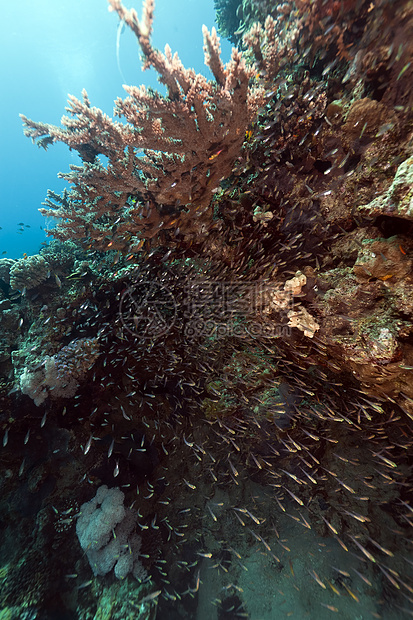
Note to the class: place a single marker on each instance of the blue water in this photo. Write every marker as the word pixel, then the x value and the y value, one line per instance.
pixel 50 49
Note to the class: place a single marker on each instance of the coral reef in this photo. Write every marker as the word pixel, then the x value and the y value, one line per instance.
pixel 29 272
pixel 238 382
pixel 189 141
pixel 60 374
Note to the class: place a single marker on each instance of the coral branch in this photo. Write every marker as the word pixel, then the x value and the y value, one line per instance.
pixel 166 161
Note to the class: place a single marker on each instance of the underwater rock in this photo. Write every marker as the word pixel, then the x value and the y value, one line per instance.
pixel 398 200
pixel 382 259
pixel 364 118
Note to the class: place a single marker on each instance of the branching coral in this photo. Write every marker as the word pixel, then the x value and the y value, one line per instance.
pixel 166 161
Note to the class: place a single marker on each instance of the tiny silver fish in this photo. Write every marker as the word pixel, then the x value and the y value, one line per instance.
pixel 116 470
